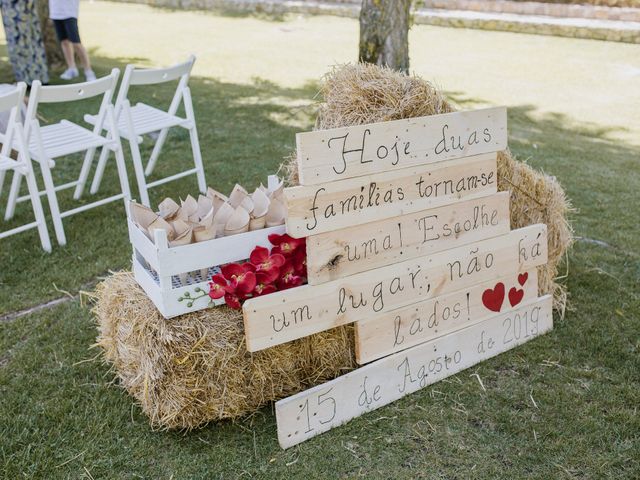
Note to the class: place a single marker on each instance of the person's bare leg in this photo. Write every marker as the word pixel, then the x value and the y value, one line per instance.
pixel 82 55
pixel 84 61
pixel 67 51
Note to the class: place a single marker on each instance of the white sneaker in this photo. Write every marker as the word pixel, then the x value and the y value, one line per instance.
pixel 89 75
pixel 69 74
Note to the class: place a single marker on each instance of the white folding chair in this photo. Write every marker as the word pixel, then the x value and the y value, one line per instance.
pixel 140 119
pixel 65 138
pixel 14 135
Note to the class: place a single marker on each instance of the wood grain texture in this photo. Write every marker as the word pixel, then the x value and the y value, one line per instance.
pixel 286 315
pixel 347 152
pixel 356 201
pixel 334 403
pixel 381 335
pixel 356 249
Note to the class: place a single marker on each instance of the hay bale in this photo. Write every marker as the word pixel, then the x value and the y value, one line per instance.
pixel 195 368
pixel 363 93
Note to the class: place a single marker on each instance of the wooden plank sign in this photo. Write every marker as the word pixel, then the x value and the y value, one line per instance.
pixel 407 237
pixel 386 333
pixel 356 249
pixel 336 154
pixel 286 315
pixel 333 403
pixel 345 203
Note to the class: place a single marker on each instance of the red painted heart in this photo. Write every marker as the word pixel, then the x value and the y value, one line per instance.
pixel 493 298
pixel 522 278
pixel 515 296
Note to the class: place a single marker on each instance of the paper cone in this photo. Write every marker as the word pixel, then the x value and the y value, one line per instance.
pixel 276 188
pixel 220 218
pixel 223 213
pixel 274 182
pixel 184 239
pixel 278 195
pixel 207 220
pixel 141 215
pixel 257 223
pixel 260 203
pixel 180 227
pixel 276 214
pixel 168 208
pixel 247 204
pixel 189 206
pixel 237 196
pixel 238 222
pixel 217 198
pixel 202 233
pixel 205 229
pixel 160 224
pixel 229 233
pixel 205 205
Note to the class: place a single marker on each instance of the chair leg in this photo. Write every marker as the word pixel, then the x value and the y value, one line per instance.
pixel 139 171
pixel 36 204
pixel 2 175
pixel 84 173
pixel 53 203
pixel 197 159
pixel 195 143
pixel 13 195
pixel 122 175
pixel 97 177
pixel 156 151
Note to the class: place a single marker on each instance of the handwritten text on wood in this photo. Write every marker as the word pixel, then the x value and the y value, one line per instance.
pixel 344 203
pixel 286 315
pixel 336 154
pixel 333 403
pixel 356 249
pixel 386 333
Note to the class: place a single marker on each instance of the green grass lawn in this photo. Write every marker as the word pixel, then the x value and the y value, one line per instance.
pixel 562 406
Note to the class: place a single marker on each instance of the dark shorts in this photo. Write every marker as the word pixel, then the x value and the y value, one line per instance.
pixel 67 29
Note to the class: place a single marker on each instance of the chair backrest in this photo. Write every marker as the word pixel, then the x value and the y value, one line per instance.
pixel 11 101
pixel 154 76
pixel 104 86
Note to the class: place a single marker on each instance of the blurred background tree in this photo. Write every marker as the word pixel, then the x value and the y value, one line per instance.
pixel 55 59
pixel 384 33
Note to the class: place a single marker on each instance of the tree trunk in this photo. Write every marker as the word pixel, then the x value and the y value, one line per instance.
pixel 55 58
pixel 384 33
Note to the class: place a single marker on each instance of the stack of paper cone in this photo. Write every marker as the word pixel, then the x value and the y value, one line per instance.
pixel 213 215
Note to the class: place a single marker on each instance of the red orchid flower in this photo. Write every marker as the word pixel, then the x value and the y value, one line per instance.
pixel 268 264
pixel 299 262
pixel 241 278
pixel 284 244
pixel 232 300
pixel 217 287
pixel 288 278
pixel 263 288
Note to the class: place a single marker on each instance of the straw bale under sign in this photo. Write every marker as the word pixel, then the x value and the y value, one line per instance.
pixel 195 368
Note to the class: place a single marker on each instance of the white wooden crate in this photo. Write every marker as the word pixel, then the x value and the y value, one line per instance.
pixel 160 270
